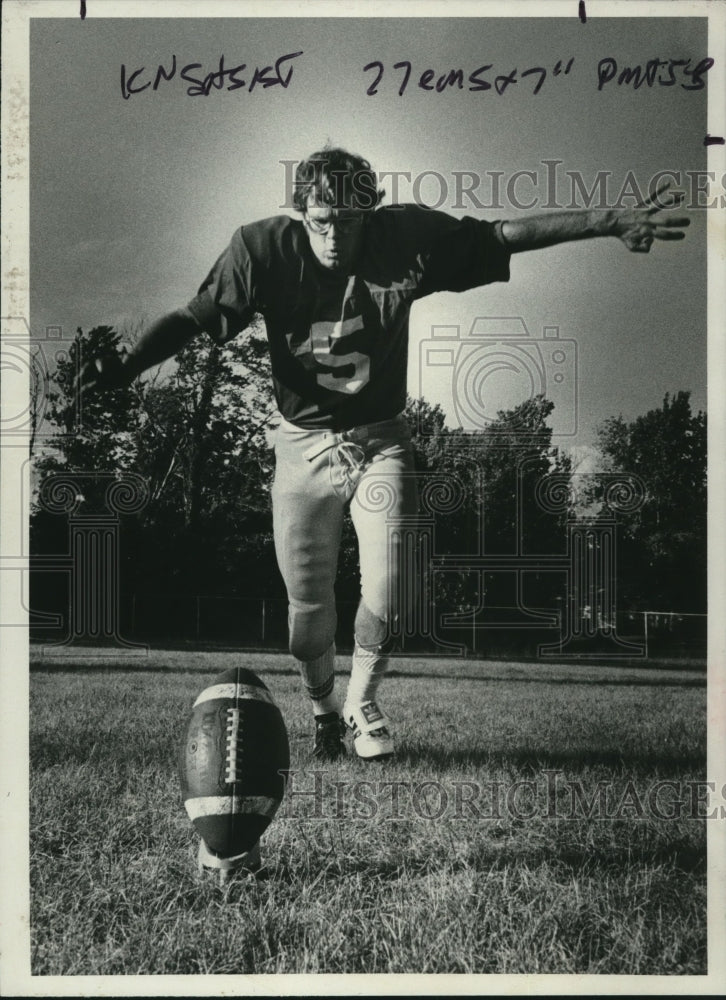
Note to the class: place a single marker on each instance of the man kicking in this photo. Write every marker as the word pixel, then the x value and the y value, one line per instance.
pixel 335 287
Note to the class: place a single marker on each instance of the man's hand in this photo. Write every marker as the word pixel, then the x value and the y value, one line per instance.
pixel 164 338
pixel 104 373
pixel 638 227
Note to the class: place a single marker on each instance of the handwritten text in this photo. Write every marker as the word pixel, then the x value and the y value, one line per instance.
pixel 478 79
pixel 236 77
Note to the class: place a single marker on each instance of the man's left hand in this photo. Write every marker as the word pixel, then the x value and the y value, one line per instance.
pixel 651 220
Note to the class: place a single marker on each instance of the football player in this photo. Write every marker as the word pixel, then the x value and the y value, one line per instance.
pixel 335 287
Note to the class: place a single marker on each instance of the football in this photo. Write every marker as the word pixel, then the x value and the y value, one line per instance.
pixel 234 749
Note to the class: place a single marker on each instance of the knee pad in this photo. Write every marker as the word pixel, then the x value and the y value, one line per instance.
pixel 312 629
pixel 372 633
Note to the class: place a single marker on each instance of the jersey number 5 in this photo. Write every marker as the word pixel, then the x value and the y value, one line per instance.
pixel 323 337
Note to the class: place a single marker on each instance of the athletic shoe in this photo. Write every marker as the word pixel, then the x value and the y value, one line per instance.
pixel 329 733
pixel 371 736
pixel 249 863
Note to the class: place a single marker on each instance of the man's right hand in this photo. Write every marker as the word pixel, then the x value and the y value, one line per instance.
pixel 164 338
pixel 104 373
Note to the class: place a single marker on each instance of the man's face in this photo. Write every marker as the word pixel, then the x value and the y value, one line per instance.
pixel 335 234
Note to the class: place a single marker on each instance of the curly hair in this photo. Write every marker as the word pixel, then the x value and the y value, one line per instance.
pixel 335 177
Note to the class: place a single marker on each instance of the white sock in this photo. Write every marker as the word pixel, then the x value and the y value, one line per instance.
pixel 319 679
pixel 365 676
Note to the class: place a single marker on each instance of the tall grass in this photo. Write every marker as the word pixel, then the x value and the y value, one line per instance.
pixel 358 882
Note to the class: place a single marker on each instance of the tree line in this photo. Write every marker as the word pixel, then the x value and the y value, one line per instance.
pixel 198 431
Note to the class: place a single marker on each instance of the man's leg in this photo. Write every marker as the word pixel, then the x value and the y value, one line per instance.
pixel 385 494
pixel 307 520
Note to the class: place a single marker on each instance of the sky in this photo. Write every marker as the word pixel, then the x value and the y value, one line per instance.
pixel 132 200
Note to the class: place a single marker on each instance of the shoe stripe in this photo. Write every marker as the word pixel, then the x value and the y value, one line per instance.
pixel 358 716
pixel 231 805
pixel 234 692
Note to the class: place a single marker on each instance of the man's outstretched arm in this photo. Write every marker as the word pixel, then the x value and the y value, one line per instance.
pixel 162 339
pixel 636 227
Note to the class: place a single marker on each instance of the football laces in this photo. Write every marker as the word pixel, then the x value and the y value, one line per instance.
pixel 234 747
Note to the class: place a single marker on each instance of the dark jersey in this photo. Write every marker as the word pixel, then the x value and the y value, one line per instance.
pixel 339 344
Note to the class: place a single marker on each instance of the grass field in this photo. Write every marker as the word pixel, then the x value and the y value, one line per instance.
pixel 483 860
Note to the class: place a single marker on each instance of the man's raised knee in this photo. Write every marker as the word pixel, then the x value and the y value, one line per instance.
pixel 371 632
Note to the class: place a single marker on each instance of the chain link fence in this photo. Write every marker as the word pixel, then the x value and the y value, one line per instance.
pixel 487 632
pixel 262 623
